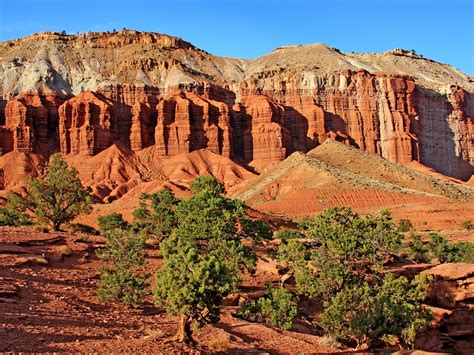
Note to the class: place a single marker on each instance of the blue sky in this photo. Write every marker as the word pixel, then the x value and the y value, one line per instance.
pixel 440 30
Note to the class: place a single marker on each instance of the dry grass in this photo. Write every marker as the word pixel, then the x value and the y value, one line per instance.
pixel 220 343
pixel 65 250
pixel 152 334
pixel 42 261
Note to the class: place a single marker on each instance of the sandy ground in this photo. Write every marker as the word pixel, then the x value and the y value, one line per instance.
pixel 53 308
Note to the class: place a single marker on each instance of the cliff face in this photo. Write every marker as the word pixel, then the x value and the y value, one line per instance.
pixel 164 93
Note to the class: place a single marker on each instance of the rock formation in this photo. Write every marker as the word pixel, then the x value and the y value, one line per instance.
pixel 87 125
pixel 452 293
pixel 150 90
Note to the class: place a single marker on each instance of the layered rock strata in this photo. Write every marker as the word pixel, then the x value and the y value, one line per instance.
pixel 164 93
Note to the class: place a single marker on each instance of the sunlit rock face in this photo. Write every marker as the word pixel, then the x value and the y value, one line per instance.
pixel 79 95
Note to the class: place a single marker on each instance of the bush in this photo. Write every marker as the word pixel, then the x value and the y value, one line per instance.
pixel 13 213
pixel 203 256
pixel 278 308
pixel 120 281
pixel 112 222
pixel 57 196
pixel 155 217
pixel 346 247
pixel 284 234
pixel 438 247
pixel 344 265
pixel 220 343
pixel 467 225
pixel 417 251
pixel 256 230
pixel 380 313
pixel 466 252
pixel 405 225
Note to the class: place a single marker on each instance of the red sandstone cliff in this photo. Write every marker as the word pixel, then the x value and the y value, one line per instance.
pixel 164 93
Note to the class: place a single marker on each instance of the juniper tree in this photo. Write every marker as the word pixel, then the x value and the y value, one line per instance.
pixel 203 257
pixel 57 196
pixel 155 215
pixel 343 263
pixel 121 279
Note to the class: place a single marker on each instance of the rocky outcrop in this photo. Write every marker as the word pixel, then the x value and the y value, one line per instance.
pixel 87 125
pixel 188 122
pixel 141 131
pixel 30 122
pixel 453 294
pixel 150 90
pixel 20 126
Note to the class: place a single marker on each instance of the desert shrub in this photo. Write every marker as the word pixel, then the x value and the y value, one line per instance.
pixel 344 266
pixel 65 250
pixel 378 313
pixel 203 257
pixel 250 311
pixel 220 343
pixel 155 216
pixel 304 224
pixel 80 228
pixel 255 229
pixel 466 252
pixel 467 225
pixel 278 307
pixel 120 280
pixel 438 247
pixel 112 222
pixel 405 225
pixel 345 248
pixel 13 213
pixel 416 249
pixel 57 196
pixel 284 234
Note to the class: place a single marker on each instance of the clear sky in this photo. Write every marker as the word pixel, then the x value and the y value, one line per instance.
pixel 440 30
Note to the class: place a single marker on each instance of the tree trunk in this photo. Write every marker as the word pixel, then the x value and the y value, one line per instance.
pixel 56 226
pixel 184 334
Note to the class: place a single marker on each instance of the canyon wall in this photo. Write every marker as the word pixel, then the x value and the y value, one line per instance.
pixel 384 114
pixel 82 94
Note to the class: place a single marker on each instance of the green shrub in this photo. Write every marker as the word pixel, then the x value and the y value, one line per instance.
pixel 466 252
pixel 438 247
pixel 120 280
pixel 278 307
pixel 250 311
pixel 155 216
pixel 112 222
pixel 13 213
pixel 417 251
pixel 203 257
pixel 405 225
pixel 257 230
pixel 467 225
pixel 121 285
pixel 57 196
pixel 284 234
pixel 345 248
pixel 379 313
pixel 344 265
